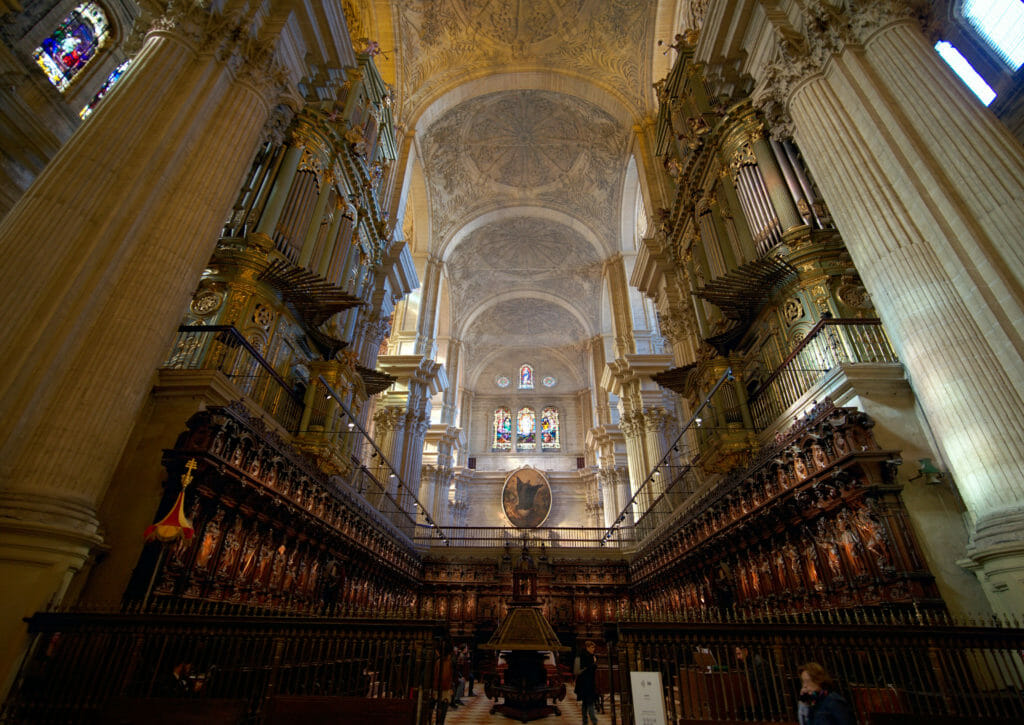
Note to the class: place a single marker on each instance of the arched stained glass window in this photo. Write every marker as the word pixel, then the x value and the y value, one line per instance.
pixel 526 378
pixel 113 78
pixel 526 426
pixel 73 44
pixel 549 436
pixel 502 430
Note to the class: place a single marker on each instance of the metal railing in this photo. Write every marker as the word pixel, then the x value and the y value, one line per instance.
pixel 373 476
pixel 225 349
pixel 490 537
pixel 828 344
pixel 669 483
pixel 902 665
pixel 81 665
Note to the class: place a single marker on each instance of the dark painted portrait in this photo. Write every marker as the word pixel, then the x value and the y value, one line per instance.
pixel 526 498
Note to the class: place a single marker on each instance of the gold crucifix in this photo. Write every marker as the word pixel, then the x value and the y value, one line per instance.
pixel 186 479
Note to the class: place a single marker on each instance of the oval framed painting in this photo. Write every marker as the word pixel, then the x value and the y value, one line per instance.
pixel 526 498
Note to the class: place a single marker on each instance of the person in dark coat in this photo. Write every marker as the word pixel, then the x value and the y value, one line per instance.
pixel 586 682
pixel 820 704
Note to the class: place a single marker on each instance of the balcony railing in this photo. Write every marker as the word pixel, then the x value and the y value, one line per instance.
pixel 225 349
pixel 572 537
pixel 829 344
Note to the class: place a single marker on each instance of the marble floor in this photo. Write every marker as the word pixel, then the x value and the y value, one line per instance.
pixel 476 711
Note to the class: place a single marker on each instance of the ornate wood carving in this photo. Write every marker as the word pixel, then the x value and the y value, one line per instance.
pixel 273 531
pixel 815 523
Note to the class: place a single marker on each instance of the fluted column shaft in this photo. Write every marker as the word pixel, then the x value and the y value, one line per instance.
pixel 927 189
pixel 100 257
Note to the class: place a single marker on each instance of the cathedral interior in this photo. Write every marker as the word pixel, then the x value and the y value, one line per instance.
pixel 701 311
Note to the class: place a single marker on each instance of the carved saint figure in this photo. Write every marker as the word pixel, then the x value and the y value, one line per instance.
pixel 211 537
pixel 874 538
pixel 851 544
pixel 810 562
pixel 799 467
pixel 818 456
pixel 829 550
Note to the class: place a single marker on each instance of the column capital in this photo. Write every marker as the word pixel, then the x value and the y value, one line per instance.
pixel 825 30
pixel 237 40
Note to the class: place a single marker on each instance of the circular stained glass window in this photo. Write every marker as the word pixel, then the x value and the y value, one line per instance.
pixel 549 382
pixel 503 381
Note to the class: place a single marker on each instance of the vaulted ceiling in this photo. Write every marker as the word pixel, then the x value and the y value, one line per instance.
pixel 524 112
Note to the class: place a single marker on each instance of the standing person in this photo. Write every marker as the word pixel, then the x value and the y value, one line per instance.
pixel 820 704
pixel 586 682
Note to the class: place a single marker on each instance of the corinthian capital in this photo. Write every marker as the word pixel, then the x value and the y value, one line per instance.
pixel 825 29
pixel 235 39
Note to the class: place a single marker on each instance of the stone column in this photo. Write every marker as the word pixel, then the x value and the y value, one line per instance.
pixel 388 434
pixel 430 292
pixel 449 406
pixel 656 425
pixel 632 426
pixel 609 486
pixel 622 321
pixel 100 257
pixel 927 189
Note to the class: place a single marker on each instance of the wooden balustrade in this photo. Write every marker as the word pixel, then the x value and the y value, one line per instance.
pixel 829 343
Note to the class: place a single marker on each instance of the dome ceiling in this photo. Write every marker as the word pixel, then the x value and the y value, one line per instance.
pixel 524 111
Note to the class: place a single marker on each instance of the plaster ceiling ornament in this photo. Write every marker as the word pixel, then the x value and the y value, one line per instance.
pixel 524 147
pixel 526 254
pixel 525 323
pixel 447 40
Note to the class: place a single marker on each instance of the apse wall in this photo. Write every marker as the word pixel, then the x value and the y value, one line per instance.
pixel 481 431
pixel 568 500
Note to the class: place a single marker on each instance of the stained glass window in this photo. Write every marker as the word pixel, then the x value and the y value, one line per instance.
pixel 526 378
pixel 549 438
pixel 526 425
pixel 502 430
pixel 107 85
pixel 549 381
pixel 502 381
pixel 73 44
